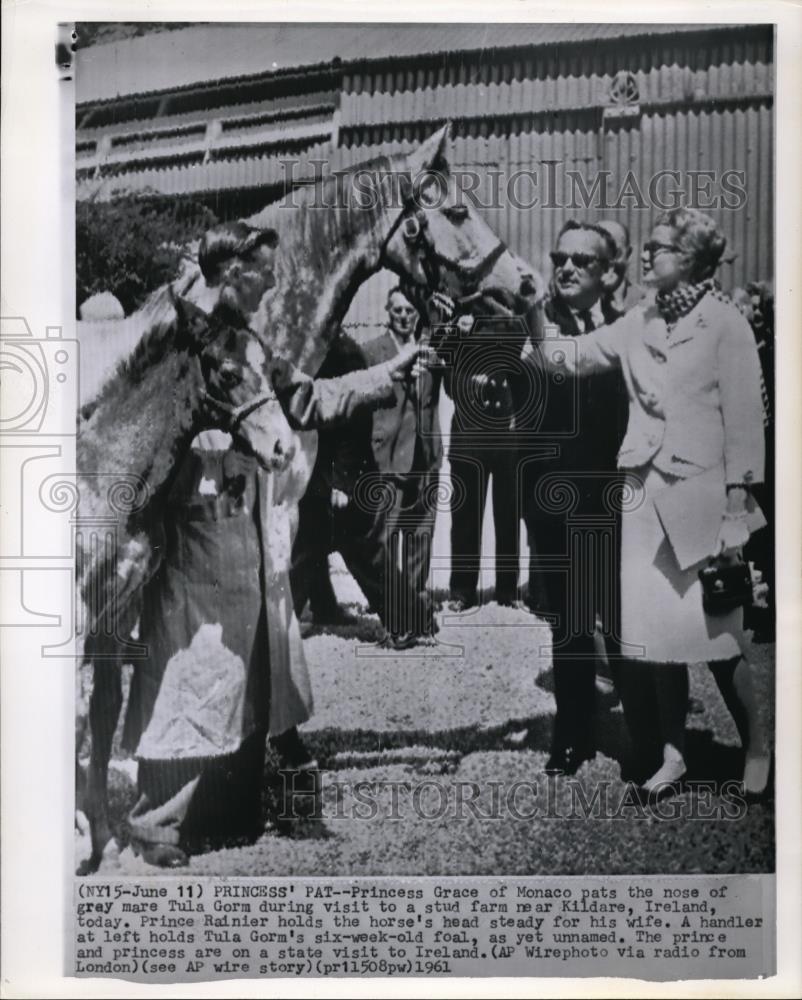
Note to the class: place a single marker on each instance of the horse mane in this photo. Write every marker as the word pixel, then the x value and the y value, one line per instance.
pixel 152 347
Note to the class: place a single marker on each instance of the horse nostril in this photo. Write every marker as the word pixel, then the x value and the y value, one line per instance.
pixel 528 287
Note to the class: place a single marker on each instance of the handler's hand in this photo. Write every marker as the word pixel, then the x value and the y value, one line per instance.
pixel 400 365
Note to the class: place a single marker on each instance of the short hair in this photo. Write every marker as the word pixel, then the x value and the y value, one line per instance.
pixel 230 240
pixel 573 225
pixel 609 225
pixel 403 290
pixel 698 238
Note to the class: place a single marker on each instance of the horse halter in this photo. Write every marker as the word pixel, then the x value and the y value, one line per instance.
pixel 415 231
pixel 236 414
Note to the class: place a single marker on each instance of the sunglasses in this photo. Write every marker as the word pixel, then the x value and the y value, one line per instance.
pixel 581 261
pixel 653 248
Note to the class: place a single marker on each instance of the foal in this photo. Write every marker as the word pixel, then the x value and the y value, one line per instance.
pixel 185 375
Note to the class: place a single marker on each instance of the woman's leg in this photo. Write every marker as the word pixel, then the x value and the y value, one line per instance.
pixel 635 686
pixel 734 679
pixel 671 696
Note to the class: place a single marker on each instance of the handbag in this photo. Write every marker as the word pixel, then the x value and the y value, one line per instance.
pixel 725 586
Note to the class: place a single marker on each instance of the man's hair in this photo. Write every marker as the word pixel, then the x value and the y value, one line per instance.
pixel 610 225
pixel 230 240
pixel 573 225
pixel 400 290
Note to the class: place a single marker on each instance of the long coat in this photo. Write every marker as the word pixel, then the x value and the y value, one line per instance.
pixel 694 412
pixel 225 649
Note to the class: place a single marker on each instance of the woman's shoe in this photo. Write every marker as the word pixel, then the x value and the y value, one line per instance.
pixel 666 780
pixel 657 793
pixel 758 776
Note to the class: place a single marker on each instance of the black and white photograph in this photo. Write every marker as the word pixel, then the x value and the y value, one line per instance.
pixel 440 361
pixel 409 445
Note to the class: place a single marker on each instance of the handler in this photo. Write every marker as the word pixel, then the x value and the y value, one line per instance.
pixel 226 664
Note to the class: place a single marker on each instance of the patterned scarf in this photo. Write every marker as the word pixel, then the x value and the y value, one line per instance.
pixel 679 301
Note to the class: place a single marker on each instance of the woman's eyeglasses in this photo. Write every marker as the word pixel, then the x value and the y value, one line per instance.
pixel 653 249
pixel 581 261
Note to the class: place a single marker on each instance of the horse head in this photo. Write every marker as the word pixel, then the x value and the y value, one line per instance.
pixel 236 391
pixel 441 243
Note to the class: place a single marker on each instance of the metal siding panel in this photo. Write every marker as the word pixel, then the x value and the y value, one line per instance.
pixel 690 139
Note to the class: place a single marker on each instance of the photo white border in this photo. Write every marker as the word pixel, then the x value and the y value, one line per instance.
pixel 37 700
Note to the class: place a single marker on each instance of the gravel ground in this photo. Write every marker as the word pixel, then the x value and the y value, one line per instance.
pixel 432 764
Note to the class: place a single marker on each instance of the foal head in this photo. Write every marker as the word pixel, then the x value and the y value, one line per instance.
pixel 236 392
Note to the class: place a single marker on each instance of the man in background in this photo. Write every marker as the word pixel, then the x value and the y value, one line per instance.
pixel 407 450
pixel 623 292
pixel 594 410
pixel 482 382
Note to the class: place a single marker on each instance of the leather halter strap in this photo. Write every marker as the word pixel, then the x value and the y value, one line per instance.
pixel 432 259
pixel 236 414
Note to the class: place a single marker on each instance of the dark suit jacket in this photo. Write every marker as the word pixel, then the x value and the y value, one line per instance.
pixel 596 408
pixel 492 346
pixel 406 437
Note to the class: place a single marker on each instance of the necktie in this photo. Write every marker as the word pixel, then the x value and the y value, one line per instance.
pixel 586 319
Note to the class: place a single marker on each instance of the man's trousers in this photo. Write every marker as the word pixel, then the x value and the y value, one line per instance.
pixel 471 471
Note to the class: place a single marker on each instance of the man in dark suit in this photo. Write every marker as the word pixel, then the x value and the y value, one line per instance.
pixel 585 419
pixel 407 450
pixel 482 380
pixel 329 518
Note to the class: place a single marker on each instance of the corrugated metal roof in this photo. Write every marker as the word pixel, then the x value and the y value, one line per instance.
pixel 175 60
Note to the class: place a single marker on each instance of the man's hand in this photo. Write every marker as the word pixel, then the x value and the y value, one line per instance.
pixel 440 308
pixel 412 360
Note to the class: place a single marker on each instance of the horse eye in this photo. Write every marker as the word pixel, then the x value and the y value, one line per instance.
pixel 456 213
pixel 432 194
pixel 411 229
pixel 230 374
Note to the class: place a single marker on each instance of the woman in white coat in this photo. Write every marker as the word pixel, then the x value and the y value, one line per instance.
pixel 692 374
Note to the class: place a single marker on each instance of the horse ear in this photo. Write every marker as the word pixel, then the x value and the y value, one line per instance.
pixel 270 238
pixel 431 154
pixel 192 324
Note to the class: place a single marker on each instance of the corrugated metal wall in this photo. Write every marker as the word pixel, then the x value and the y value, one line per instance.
pixel 704 103
pixel 703 139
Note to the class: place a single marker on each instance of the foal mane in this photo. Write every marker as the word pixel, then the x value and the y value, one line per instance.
pixel 153 346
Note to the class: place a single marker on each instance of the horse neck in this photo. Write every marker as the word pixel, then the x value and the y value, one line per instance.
pixel 324 256
pixel 141 427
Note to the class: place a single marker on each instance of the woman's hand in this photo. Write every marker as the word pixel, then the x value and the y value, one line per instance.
pixel 732 536
pixel 734 531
